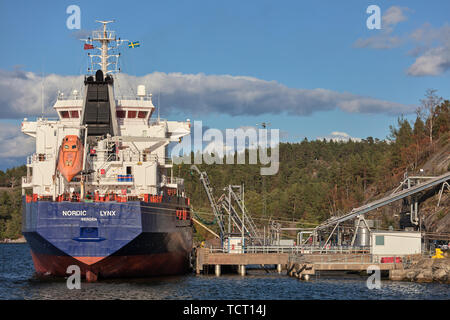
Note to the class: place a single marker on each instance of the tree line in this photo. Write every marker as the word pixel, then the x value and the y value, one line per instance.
pixel 321 178
pixel 316 178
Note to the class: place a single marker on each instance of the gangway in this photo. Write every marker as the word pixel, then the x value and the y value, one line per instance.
pixel 232 204
pixel 397 195
pixel 209 192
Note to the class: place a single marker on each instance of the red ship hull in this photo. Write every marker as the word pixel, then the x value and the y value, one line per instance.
pixel 114 266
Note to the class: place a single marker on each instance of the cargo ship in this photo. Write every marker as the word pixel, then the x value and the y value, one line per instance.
pixel 99 191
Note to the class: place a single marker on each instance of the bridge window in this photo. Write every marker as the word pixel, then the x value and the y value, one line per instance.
pixel 64 114
pixel 74 114
pixel 120 114
pixel 142 114
pixel 132 114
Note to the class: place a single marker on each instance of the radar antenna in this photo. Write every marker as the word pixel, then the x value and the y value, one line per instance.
pixel 108 58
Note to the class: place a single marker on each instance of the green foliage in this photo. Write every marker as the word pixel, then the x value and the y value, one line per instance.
pixel 315 178
pixel 319 178
pixel 11 178
pixel 10 214
pixel 442 119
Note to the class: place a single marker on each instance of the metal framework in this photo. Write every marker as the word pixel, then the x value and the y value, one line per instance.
pixel 209 192
pixel 411 187
pixel 108 42
pixel 231 202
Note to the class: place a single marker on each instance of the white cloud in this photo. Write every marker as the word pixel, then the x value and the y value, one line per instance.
pixel 14 143
pixel 433 62
pixel 384 38
pixel 393 16
pixel 431 46
pixel 380 41
pixel 338 136
pixel 196 94
pixel 432 51
pixel 21 92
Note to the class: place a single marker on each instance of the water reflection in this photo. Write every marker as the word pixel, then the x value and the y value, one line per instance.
pixel 17 281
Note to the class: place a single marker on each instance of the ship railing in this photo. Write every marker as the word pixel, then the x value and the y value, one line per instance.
pixel 156 121
pixel 43 120
pixel 110 180
pixel 129 97
pixel 101 34
pixel 36 157
pixel 104 178
pixel 133 156
pixel 27 180
pixel 62 96
pixel 107 164
pixel 172 180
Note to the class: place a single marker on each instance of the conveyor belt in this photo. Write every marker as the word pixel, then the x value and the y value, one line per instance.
pixel 386 200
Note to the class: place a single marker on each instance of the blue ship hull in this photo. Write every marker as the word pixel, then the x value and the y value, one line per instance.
pixel 108 239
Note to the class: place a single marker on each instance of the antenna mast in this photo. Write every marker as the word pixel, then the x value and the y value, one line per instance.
pixel 42 95
pixel 108 42
pixel 159 106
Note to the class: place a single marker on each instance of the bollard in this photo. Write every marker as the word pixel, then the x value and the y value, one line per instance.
pixel 217 270
pixel 279 268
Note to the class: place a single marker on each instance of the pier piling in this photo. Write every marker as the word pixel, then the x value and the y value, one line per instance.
pixel 241 269
pixel 217 270
pixel 279 268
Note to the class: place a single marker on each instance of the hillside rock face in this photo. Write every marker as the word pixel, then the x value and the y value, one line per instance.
pixel 437 219
pixel 425 270
pixel 439 161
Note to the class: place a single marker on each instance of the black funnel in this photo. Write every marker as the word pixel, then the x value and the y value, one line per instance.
pixel 99 76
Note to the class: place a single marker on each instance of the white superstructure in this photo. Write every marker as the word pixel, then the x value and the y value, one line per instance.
pixel 132 162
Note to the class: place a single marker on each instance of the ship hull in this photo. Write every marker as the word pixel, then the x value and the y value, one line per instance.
pixel 108 239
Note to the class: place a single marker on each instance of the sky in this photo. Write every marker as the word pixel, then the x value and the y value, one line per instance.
pixel 311 68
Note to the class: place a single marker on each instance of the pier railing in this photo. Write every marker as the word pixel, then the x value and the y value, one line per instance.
pixel 332 259
pixel 320 255
pixel 295 250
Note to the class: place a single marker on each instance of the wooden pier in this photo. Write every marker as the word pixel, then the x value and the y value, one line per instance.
pixel 205 258
pixel 300 265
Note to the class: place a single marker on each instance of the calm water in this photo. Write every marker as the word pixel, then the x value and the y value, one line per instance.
pixel 17 281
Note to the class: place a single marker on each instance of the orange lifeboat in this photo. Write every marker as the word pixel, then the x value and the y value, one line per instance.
pixel 70 158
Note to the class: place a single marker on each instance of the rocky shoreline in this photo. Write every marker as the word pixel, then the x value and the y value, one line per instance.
pixel 424 270
pixel 18 240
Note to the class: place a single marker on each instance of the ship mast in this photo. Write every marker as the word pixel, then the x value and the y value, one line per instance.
pixel 104 40
pixel 107 42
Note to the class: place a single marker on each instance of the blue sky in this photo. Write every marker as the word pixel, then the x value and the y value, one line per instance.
pixel 301 45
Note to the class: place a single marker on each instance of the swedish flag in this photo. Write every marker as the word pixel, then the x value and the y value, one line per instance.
pixel 134 44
